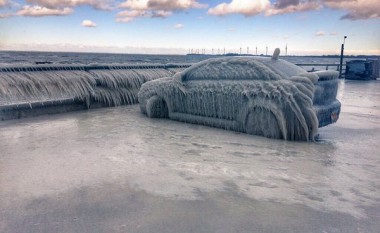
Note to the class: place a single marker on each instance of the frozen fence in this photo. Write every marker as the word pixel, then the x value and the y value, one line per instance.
pixel 108 85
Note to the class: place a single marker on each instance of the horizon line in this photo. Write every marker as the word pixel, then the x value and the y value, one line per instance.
pixel 187 54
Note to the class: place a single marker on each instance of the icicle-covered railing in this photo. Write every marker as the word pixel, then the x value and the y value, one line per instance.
pixel 35 90
pixel 60 67
pixel 108 85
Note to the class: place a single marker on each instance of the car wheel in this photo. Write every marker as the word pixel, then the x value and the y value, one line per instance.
pixel 262 122
pixel 156 107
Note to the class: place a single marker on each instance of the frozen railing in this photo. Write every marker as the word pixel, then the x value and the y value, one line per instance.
pixel 108 84
pixel 89 67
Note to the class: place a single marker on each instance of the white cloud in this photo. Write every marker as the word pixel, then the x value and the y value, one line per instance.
pixel 165 5
pixel 292 6
pixel 251 8
pixel 129 15
pixel 58 4
pixel 357 9
pixel 179 26
pixel 138 5
pixel 88 23
pixel 244 7
pixel 320 33
pixel 154 8
pixel 38 11
pixel 161 14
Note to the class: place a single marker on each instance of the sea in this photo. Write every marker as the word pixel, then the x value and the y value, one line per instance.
pixel 15 58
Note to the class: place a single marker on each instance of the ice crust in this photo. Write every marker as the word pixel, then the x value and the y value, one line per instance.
pixel 261 96
pixel 111 86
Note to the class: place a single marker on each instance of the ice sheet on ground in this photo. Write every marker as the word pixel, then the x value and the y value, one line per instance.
pixel 53 154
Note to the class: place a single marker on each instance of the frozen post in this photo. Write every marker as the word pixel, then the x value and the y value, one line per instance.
pixel 276 54
pixel 341 57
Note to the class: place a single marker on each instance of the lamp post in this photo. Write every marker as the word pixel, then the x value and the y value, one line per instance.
pixel 341 57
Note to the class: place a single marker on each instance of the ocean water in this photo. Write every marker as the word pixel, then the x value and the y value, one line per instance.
pixel 30 58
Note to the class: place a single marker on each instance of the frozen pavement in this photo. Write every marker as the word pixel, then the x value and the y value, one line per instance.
pixel 115 170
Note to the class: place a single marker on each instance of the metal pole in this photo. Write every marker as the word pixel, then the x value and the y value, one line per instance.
pixel 286 50
pixel 341 57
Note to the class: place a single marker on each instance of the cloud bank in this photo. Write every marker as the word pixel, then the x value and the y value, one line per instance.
pixel 356 9
pixel 56 4
pixel 153 8
pixel 38 11
pixel 292 6
pixel 132 9
pixel 244 7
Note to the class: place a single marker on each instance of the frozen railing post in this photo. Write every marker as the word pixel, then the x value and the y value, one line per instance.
pixel 276 54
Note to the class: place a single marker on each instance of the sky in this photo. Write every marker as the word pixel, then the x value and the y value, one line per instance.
pixel 305 27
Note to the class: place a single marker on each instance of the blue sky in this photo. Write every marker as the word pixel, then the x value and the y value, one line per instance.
pixel 307 27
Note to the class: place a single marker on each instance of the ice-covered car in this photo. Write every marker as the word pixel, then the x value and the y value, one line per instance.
pixel 256 95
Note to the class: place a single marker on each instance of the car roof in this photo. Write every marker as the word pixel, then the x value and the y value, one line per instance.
pixel 241 68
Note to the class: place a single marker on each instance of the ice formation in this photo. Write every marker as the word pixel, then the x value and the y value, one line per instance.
pixel 108 84
pixel 261 96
